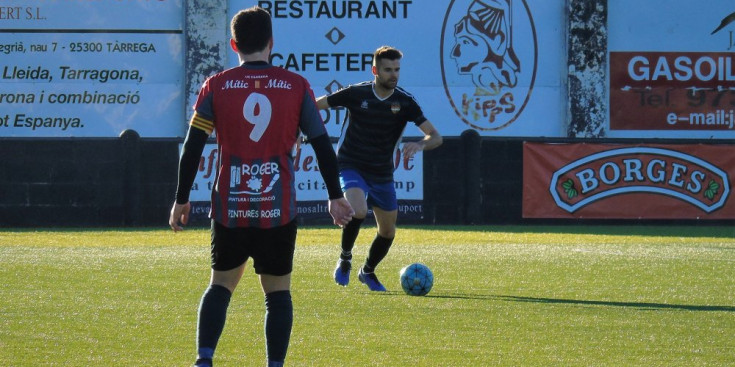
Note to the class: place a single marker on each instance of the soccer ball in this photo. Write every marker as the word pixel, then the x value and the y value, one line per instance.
pixel 416 279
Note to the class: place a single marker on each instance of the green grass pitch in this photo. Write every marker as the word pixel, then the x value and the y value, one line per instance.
pixel 503 296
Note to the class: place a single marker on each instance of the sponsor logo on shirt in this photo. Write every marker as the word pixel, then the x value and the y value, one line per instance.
pixel 278 84
pixel 253 179
pixel 235 84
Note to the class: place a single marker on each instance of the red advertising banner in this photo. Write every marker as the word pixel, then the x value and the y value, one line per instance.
pixel 621 181
pixel 672 91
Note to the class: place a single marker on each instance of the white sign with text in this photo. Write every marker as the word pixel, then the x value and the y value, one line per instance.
pixel 309 184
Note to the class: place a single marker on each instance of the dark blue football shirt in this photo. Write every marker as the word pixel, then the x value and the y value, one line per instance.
pixel 373 128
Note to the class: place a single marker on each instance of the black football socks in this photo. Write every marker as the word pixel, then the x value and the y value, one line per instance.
pixel 377 253
pixel 349 235
pixel 278 323
pixel 212 315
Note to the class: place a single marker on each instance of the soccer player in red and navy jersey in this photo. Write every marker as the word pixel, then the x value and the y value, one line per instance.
pixel 379 111
pixel 257 111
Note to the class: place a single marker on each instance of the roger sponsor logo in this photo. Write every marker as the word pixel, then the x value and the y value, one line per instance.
pixel 646 170
pixel 253 213
pixel 253 179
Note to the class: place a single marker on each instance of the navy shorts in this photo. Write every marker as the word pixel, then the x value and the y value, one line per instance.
pixel 378 194
pixel 271 249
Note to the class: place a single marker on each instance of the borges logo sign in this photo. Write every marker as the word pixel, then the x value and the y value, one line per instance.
pixel 488 60
pixel 640 170
pixel 624 181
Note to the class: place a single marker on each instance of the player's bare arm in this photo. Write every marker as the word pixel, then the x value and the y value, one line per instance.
pixel 431 140
pixel 322 103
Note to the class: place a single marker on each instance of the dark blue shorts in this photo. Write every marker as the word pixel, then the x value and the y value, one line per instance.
pixel 381 195
pixel 272 249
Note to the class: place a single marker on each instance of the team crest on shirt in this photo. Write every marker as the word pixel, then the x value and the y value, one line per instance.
pixel 395 107
pixel 364 105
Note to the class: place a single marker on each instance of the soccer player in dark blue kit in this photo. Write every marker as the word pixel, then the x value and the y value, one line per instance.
pixel 378 112
pixel 258 112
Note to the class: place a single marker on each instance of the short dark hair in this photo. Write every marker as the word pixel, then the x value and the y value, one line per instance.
pixel 251 29
pixel 386 52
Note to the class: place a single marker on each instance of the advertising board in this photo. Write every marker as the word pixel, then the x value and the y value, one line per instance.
pixel 91 68
pixel 624 181
pixel 311 192
pixel 671 73
pixel 492 66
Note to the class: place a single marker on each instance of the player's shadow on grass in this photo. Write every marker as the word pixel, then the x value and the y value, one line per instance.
pixel 639 305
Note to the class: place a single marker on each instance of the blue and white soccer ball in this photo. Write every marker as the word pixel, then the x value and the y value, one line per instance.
pixel 417 279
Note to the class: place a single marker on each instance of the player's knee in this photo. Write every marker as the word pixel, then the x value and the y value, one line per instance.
pixel 387 232
pixel 359 212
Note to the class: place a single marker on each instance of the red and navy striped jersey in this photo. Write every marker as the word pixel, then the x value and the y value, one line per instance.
pixel 373 128
pixel 256 110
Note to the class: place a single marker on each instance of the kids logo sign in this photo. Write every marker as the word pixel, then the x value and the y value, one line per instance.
pixel 488 60
pixel 640 170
